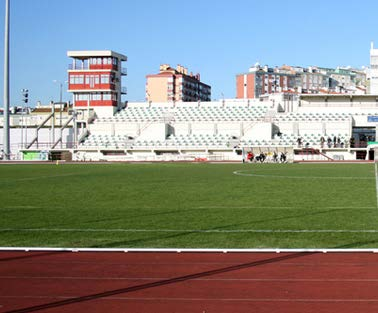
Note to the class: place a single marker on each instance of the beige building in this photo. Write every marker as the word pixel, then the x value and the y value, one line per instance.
pixel 171 85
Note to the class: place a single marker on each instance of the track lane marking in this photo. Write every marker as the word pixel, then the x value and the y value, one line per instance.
pixel 196 279
pixel 110 298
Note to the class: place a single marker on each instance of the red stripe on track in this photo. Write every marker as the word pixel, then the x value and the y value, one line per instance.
pixel 188 282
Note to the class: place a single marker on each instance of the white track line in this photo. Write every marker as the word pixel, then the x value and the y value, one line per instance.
pixel 121 230
pixel 190 250
pixel 315 280
pixel 125 298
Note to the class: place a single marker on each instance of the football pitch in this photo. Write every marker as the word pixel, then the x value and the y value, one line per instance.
pixel 189 205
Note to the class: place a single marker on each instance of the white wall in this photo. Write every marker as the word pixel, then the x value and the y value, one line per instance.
pixel 259 131
pixel 154 131
pixel 19 136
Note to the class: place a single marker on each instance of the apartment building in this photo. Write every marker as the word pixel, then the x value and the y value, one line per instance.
pixel 261 81
pixel 171 85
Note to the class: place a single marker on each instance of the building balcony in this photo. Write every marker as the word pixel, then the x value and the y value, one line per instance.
pixel 123 90
pixel 87 87
pixel 124 71
pixel 93 103
pixel 93 67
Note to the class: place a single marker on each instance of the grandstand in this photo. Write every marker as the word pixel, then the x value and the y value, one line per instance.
pixel 312 127
pixel 309 127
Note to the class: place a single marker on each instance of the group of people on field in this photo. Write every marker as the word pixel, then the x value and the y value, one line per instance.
pixel 269 157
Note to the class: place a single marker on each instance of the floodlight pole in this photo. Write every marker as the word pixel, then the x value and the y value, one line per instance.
pixel 60 99
pixel 6 84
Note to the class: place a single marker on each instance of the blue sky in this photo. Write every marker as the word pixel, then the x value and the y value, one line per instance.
pixel 216 38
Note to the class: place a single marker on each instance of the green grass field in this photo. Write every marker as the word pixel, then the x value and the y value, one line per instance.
pixel 189 205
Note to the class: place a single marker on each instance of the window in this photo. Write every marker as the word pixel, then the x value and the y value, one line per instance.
pixel 97 79
pixel 96 96
pixel 104 79
pixel 81 97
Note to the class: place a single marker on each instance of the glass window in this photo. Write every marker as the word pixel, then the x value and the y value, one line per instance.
pixel 97 79
pixel 87 79
pixel 96 96
pixel 104 79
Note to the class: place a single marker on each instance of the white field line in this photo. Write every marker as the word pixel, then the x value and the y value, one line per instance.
pixel 126 230
pixel 249 174
pixel 289 208
pixel 40 177
pixel 214 207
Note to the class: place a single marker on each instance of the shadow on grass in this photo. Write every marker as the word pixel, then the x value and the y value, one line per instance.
pixel 357 244
pixel 160 283
pixel 142 241
pixel 282 218
pixel 120 218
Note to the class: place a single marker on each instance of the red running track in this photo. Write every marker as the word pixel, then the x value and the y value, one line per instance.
pixel 188 282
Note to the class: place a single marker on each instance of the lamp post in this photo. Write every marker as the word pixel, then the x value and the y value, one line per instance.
pixel 25 100
pixel 6 84
pixel 60 99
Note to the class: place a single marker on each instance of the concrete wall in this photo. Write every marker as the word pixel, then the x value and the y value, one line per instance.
pixel 259 131
pixel 18 138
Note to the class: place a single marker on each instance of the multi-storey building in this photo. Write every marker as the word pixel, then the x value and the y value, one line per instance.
pixel 261 81
pixel 171 85
pixel 373 70
pixel 94 78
